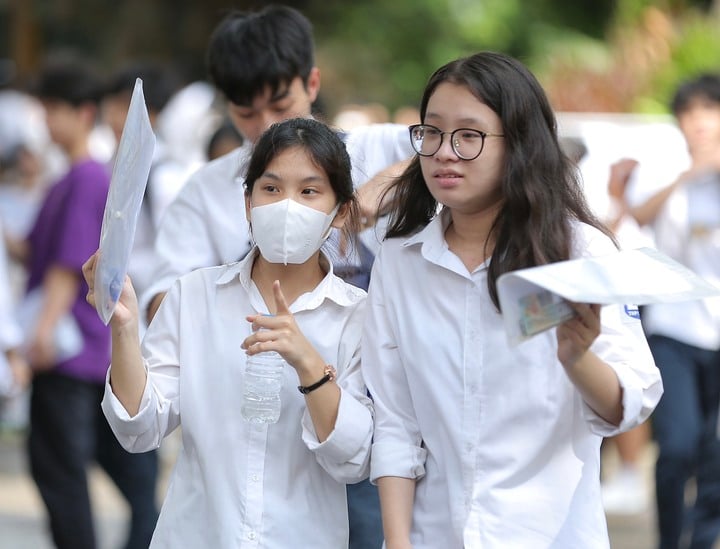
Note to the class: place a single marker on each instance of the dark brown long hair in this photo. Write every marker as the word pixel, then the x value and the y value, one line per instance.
pixel 540 186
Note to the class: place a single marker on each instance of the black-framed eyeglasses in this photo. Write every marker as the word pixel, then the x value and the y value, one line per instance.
pixel 466 143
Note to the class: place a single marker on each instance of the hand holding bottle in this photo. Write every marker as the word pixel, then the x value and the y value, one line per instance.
pixel 281 334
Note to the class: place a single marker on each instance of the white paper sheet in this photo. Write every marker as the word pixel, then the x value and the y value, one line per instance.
pixel 535 299
pixel 127 186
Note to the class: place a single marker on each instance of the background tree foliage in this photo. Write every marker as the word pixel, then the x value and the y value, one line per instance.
pixel 610 55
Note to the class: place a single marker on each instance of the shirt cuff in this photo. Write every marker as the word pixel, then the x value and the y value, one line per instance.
pixel 352 432
pixel 634 395
pixel 119 419
pixel 391 459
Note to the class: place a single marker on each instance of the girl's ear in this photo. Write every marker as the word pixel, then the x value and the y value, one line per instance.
pixel 341 216
pixel 247 208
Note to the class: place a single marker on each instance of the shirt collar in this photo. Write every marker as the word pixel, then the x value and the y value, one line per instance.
pixel 330 287
pixel 432 236
pixel 434 247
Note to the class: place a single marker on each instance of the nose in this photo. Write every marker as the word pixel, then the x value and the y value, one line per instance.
pixel 446 152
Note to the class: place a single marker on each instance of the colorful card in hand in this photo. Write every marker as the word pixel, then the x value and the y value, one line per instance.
pixel 541 311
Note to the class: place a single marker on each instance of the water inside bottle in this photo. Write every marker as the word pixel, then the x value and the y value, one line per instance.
pixel 261 400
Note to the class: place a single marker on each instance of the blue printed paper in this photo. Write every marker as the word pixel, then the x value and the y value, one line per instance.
pixel 127 187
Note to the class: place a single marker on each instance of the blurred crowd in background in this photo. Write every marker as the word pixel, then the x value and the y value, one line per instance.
pixel 624 158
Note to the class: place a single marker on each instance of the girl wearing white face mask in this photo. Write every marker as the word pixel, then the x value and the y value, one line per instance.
pixel 236 482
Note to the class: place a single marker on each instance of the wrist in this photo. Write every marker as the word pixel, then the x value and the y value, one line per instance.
pixel 125 330
pixel 329 375
pixel 310 370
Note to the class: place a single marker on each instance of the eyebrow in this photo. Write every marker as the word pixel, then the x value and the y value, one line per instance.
pixel 308 179
pixel 468 120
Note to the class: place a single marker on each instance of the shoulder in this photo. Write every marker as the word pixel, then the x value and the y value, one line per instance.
pixel 345 294
pixel 225 171
pixel 88 179
pixel 398 255
pixel 377 131
pixel 588 241
pixel 202 281
pixel 90 172
pixel 377 146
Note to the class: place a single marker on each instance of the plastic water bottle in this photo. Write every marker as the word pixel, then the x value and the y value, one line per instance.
pixel 261 393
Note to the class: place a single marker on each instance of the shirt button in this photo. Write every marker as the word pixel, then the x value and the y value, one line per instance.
pixel 251 535
pixel 254 478
pixel 469 448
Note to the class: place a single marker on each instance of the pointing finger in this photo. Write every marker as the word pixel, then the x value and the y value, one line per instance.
pixel 281 306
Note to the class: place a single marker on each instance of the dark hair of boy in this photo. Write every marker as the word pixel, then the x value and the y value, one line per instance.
pixel 159 83
pixel 250 51
pixel 70 79
pixel 705 86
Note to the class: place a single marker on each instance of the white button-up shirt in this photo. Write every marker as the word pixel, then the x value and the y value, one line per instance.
pixel 503 447
pixel 206 223
pixel 238 485
pixel 688 230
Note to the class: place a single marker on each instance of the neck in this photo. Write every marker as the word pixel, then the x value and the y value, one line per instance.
pixel 295 280
pixel 469 236
pixel 706 156
pixel 77 151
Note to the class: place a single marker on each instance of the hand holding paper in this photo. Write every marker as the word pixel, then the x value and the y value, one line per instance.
pixel 125 311
pixel 536 299
pixel 127 187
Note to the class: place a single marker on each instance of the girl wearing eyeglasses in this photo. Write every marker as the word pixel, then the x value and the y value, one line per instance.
pixel 478 444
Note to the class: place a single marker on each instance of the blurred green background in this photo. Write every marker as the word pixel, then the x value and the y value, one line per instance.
pixel 591 55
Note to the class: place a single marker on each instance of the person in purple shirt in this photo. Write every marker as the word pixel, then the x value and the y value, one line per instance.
pixel 67 427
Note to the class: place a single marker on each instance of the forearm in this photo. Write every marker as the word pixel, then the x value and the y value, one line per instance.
pixel 646 213
pixel 599 386
pixel 397 496
pixel 127 372
pixel 370 193
pixel 323 402
pixel 18 249
pixel 60 288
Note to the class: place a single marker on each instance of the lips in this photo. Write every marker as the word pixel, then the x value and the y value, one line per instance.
pixel 447 178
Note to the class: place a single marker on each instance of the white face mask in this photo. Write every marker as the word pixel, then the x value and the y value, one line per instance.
pixel 289 232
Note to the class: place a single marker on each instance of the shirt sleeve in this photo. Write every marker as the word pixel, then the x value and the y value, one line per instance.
pixel 159 412
pixel 10 334
pixel 376 147
pixel 183 242
pixel 397 445
pixel 623 346
pixel 345 454
pixel 81 220
pixel 165 183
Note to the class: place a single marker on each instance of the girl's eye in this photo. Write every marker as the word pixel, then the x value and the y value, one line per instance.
pixel 269 188
pixel 309 191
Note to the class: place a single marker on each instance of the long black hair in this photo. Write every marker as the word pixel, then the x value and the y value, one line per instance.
pixel 540 186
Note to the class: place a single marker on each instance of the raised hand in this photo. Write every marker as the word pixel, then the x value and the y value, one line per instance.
pixel 126 310
pixel 280 333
